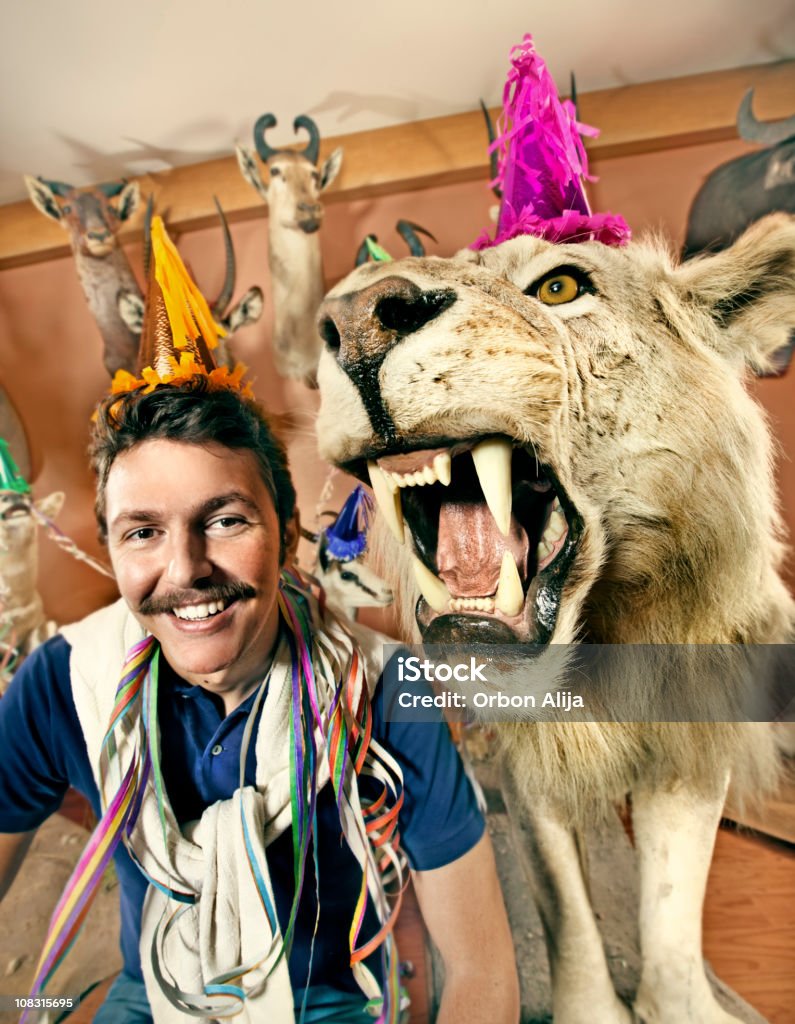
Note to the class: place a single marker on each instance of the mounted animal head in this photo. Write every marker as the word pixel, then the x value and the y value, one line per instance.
pixel 92 216
pixel 293 191
pixel 349 585
pixel 559 437
pixel 245 311
pixel 19 558
pixel 408 232
pixel 742 190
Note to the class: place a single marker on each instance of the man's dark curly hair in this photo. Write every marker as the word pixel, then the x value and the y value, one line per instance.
pixel 192 413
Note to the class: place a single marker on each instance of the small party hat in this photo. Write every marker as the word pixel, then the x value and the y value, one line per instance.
pixel 346 538
pixel 10 477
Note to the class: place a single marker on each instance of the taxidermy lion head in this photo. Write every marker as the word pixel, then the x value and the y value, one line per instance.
pixel 560 437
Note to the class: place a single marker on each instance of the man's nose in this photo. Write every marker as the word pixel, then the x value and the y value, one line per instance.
pixel 188 561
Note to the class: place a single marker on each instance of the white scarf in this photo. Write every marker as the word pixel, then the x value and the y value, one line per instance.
pixel 226 925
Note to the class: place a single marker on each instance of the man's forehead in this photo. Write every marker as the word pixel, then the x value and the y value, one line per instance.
pixel 158 473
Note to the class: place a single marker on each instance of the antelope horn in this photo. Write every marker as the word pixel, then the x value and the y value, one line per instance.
pixel 573 94
pixel 112 188
pixel 263 124
pixel 312 150
pixel 364 252
pixel 150 206
pixel 228 286
pixel 768 133
pixel 408 232
pixel 493 162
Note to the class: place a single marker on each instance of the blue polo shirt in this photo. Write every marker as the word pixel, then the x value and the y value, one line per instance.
pixel 43 753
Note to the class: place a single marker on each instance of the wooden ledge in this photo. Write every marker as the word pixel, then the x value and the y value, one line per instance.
pixel 439 151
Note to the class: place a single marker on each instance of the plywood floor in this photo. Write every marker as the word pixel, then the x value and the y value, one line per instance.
pixel 749 926
pixel 749 920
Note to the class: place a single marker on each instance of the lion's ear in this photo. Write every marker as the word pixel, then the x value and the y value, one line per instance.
pixel 749 292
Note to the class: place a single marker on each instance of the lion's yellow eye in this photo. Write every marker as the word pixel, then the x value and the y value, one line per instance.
pixel 558 289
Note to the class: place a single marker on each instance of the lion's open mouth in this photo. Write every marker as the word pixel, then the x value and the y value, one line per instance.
pixel 494 537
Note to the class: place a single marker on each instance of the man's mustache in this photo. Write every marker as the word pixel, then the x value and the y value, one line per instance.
pixel 226 592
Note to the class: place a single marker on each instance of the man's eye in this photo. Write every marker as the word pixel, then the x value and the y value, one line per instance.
pixel 226 523
pixel 141 534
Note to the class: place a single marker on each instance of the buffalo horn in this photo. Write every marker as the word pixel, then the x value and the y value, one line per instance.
pixel 767 133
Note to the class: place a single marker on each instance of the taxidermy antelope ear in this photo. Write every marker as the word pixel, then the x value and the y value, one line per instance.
pixel 331 168
pixel 249 168
pixel 129 198
pixel 246 312
pixel 43 197
pixel 51 505
pixel 749 292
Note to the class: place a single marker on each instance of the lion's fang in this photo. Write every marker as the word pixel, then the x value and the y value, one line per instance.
pixel 492 459
pixel 510 596
pixel 433 589
pixel 388 501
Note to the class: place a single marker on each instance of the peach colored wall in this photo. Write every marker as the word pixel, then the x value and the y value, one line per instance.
pixel 50 350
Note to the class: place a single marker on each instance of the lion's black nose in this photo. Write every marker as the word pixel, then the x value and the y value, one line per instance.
pixel 360 328
pixel 363 326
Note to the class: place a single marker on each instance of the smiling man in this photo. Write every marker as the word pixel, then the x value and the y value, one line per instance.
pixel 233 743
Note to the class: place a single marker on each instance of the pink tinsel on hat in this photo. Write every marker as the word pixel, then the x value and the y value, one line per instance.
pixel 542 162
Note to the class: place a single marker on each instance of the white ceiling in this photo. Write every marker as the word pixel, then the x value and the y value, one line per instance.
pixel 95 89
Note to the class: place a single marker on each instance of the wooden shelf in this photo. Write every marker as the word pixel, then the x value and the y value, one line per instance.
pixel 440 151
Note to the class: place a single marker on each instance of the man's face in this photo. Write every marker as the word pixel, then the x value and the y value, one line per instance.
pixel 194 541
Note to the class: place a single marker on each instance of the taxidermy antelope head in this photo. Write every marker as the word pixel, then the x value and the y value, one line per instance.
pixel 92 218
pixel 295 214
pixel 22 609
pixel 340 569
pixel 244 312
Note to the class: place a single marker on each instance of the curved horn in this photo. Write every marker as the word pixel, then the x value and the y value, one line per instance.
pixel 768 133
pixel 263 124
pixel 313 146
pixel 112 188
pixel 60 188
pixel 408 232
pixel 150 207
pixel 363 253
pixel 228 286
pixel 493 161
pixel 573 94
pixel 308 535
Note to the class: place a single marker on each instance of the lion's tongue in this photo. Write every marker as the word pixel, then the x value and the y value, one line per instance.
pixel 469 549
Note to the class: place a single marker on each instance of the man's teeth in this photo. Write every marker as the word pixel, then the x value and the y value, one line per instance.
pixel 388 500
pixel 492 460
pixel 433 589
pixel 199 611
pixel 510 595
